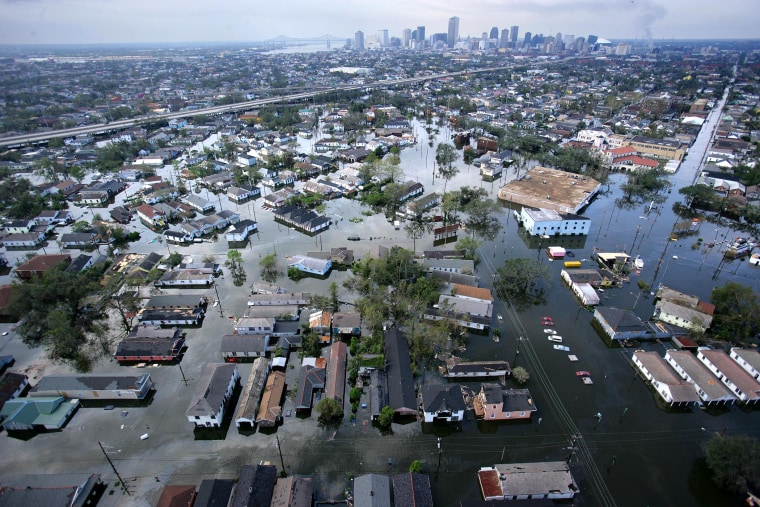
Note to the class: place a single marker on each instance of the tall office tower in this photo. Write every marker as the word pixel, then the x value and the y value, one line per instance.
pixel 494 33
pixel 558 38
pixel 592 39
pixel 359 39
pixel 453 35
pixel 568 40
pixel 504 39
pixel 513 33
pixel 406 37
pixel 421 35
pixel 527 38
pixel 382 37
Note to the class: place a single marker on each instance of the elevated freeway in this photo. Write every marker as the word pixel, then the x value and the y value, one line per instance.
pixel 18 141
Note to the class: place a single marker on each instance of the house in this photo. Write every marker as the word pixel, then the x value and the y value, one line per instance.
pixel 749 359
pixel 79 494
pixel 548 222
pixel 710 390
pixel 246 325
pixel 302 219
pixel 24 240
pixel 372 490
pixel 519 481
pixel 442 402
pixel 270 407
pixel 310 380
pixel 319 324
pixel 346 323
pixel 664 380
pixel 474 307
pixel 240 231
pixel 78 240
pixel 682 309
pixel 241 347
pixel 583 282
pixel 293 492
pixel 199 204
pixel 619 324
pixel 214 493
pixel 93 198
pixel 255 486
pixel 151 216
pixel 398 371
pixel 249 398
pixel 732 374
pixel 493 403
pixel 148 344
pixel 311 265
pixel 412 189
pixel 185 278
pixel 243 193
pixel 287 299
pixel 178 237
pixel 412 488
pixel 459 266
pixel 178 495
pixel 21 226
pixel 39 264
pixel 456 368
pixel 93 386
pixel 335 385
pixel 43 412
pixel 216 386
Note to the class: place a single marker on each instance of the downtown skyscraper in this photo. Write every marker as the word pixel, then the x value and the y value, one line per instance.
pixel 453 35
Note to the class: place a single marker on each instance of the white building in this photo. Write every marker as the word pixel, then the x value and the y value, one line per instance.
pixel 547 222
pixel 216 386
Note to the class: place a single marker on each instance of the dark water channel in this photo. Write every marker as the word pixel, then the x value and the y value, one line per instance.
pixel 646 453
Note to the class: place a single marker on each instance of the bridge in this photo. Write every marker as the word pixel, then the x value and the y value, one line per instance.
pixel 18 141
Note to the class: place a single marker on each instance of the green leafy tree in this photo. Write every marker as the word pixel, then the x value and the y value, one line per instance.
pixel 355 394
pixel 174 259
pixel 268 265
pixel 235 264
pixel 415 467
pixel 468 247
pixel 518 279
pixel 334 302
pixel 385 419
pixel 737 313
pixel 520 374
pixel 416 228
pixel 329 409
pixel 445 155
pixel 734 462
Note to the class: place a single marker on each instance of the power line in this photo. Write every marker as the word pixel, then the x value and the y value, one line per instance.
pixel 123 484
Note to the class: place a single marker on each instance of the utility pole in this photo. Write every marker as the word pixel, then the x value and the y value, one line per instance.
pixel 279 449
pixel 219 300
pixel 184 379
pixel 440 452
pixel 123 484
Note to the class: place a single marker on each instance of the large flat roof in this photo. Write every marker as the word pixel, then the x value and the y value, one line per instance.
pixel 553 189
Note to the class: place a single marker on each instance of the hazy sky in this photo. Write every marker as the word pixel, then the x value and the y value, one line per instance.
pixel 114 21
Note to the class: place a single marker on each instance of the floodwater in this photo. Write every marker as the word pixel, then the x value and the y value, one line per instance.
pixel 639 452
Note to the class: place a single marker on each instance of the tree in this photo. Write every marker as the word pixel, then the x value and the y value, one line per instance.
pixel 737 313
pixel 334 302
pixel 268 265
pixel 734 462
pixel 445 155
pixel 416 228
pixel 175 258
pixel 468 247
pixel 385 419
pixel 518 280
pixel 355 394
pixel 235 264
pixel 126 303
pixel 520 374
pixel 415 467
pixel 329 409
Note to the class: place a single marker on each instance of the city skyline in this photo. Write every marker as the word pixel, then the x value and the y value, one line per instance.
pixel 139 21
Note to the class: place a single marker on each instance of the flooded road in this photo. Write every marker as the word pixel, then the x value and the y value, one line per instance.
pixel 643 453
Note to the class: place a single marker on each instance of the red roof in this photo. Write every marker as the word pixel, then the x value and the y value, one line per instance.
pixel 41 263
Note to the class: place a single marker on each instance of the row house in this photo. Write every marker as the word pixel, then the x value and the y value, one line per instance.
pixel 244 347
pixel 423 204
pixel 147 344
pixel 20 226
pixel 709 389
pixel 669 386
pixel 54 217
pixel 733 375
pixel 185 278
pixel 178 236
pixel 270 406
pixel 245 417
pixel 749 359
pixel 412 189
pixel 302 219
pixel 78 240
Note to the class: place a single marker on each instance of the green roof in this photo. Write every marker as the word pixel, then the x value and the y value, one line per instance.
pixel 26 413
